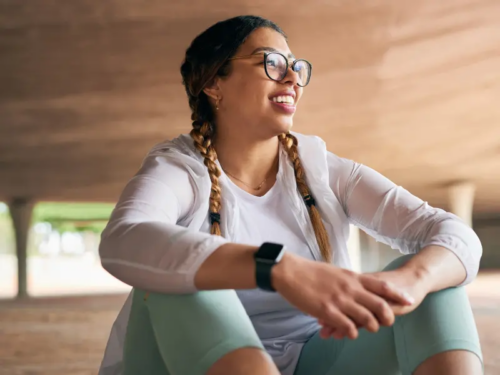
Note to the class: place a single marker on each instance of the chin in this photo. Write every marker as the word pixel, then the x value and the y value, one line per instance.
pixel 280 127
pixel 276 125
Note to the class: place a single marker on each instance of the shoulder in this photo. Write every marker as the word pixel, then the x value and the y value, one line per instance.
pixel 173 158
pixel 313 144
pixel 338 164
pixel 306 141
pixel 169 169
pixel 182 145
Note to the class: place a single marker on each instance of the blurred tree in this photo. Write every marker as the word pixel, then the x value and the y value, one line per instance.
pixel 73 217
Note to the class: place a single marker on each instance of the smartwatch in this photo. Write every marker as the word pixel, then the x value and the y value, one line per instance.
pixel 268 255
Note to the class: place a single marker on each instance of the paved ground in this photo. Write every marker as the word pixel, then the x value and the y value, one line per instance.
pixel 66 336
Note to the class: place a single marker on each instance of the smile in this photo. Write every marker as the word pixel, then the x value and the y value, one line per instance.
pixel 288 99
pixel 284 107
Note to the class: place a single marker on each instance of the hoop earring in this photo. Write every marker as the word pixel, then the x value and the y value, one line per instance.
pixel 217 104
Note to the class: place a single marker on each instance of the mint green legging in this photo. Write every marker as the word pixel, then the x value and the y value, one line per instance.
pixel 187 334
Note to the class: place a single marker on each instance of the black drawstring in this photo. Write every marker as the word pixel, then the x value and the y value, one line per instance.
pixel 214 217
pixel 309 200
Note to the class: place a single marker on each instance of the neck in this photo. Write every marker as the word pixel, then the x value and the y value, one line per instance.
pixel 249 160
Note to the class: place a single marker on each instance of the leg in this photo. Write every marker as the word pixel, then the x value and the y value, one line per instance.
pixel 370 353
pixel 441 329
pixel 203 333
pixel 245 361
pixel 455 362
pixel 444 334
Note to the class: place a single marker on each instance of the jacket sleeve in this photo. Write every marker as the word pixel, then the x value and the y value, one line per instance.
pixel 142 244
pixel 397 218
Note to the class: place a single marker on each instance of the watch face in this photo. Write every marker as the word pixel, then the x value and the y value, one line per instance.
pixel 271 251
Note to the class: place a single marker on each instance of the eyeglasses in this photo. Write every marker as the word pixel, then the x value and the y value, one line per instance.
pixel 276 67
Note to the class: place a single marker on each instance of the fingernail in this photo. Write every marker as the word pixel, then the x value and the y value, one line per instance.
pixel 409 298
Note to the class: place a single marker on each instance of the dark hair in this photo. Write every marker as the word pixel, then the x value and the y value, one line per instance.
pixel 207 58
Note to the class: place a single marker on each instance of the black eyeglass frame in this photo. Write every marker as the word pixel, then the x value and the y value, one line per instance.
pixel 267 54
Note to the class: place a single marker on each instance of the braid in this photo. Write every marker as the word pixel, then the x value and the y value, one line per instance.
pixel 290 143
pixel 201 134
pixel 206 59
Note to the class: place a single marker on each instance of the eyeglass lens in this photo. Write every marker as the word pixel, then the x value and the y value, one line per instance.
pixel 277 65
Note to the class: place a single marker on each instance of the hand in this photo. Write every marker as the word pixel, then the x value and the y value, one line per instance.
pixel 342 299
pixel 409 282
pixel 405 280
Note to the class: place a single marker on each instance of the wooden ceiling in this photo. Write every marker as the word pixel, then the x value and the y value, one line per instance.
pixel 409 88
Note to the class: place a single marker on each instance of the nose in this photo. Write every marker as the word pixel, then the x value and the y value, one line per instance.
pixel 291 76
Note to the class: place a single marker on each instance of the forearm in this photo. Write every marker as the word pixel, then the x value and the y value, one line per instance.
pixel 437 267
pixel 231 266
pixel 154 255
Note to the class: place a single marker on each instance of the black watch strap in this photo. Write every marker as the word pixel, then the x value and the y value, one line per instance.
pixel 263 275
pixel 268 255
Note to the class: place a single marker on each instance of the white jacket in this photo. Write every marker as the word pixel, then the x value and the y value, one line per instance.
pixel 157 236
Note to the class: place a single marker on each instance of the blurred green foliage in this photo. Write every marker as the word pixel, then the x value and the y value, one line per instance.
pixel 63 217
pixel 73 217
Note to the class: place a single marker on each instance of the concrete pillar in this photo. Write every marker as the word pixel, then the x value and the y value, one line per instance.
pixel 461 200
pixel 20 211
pixel 374 257
pixel 354 247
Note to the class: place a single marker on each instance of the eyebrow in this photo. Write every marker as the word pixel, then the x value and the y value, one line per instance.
pixel 271 49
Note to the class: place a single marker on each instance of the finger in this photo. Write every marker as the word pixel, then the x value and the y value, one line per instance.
pixel 326 332
pixel 338 335
pixel 324 325
pixel 386 289
pixel 361 316
pixel 378 306
pixel 334 318
pixel 399 310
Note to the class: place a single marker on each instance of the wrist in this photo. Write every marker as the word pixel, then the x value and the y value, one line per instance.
pixel 283 271
pixel 417 274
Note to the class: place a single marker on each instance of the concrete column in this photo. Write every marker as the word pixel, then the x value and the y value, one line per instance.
pixel 20 211
pixel 373 255
pixel 461 200
pixel 354 248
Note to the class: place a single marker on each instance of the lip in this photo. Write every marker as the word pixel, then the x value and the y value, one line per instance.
pixel 284 107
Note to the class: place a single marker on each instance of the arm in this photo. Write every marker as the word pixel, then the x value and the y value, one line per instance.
pixel 395 217
pixel 143 245
pixel 437 267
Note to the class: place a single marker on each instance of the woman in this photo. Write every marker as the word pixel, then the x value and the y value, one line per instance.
pixel 199 234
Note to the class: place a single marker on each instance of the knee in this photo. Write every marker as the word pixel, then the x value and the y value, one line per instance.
pixel 204 332
pixel 455 295
pixel 398 262
pixel 244 361
pixel 442 322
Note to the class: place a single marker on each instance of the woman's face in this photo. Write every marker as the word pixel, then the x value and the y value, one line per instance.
pixel 252 104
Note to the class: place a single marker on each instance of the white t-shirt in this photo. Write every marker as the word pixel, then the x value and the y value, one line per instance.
pixel 282 328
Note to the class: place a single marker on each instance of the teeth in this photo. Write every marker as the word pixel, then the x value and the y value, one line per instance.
pixel 284 99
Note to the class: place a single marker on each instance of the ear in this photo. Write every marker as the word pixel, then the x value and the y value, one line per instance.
pixel 213 89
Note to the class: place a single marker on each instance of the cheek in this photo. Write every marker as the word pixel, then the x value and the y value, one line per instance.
pixel 299 95
pixel 248 91
pixel 252 96
pixel 255 87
